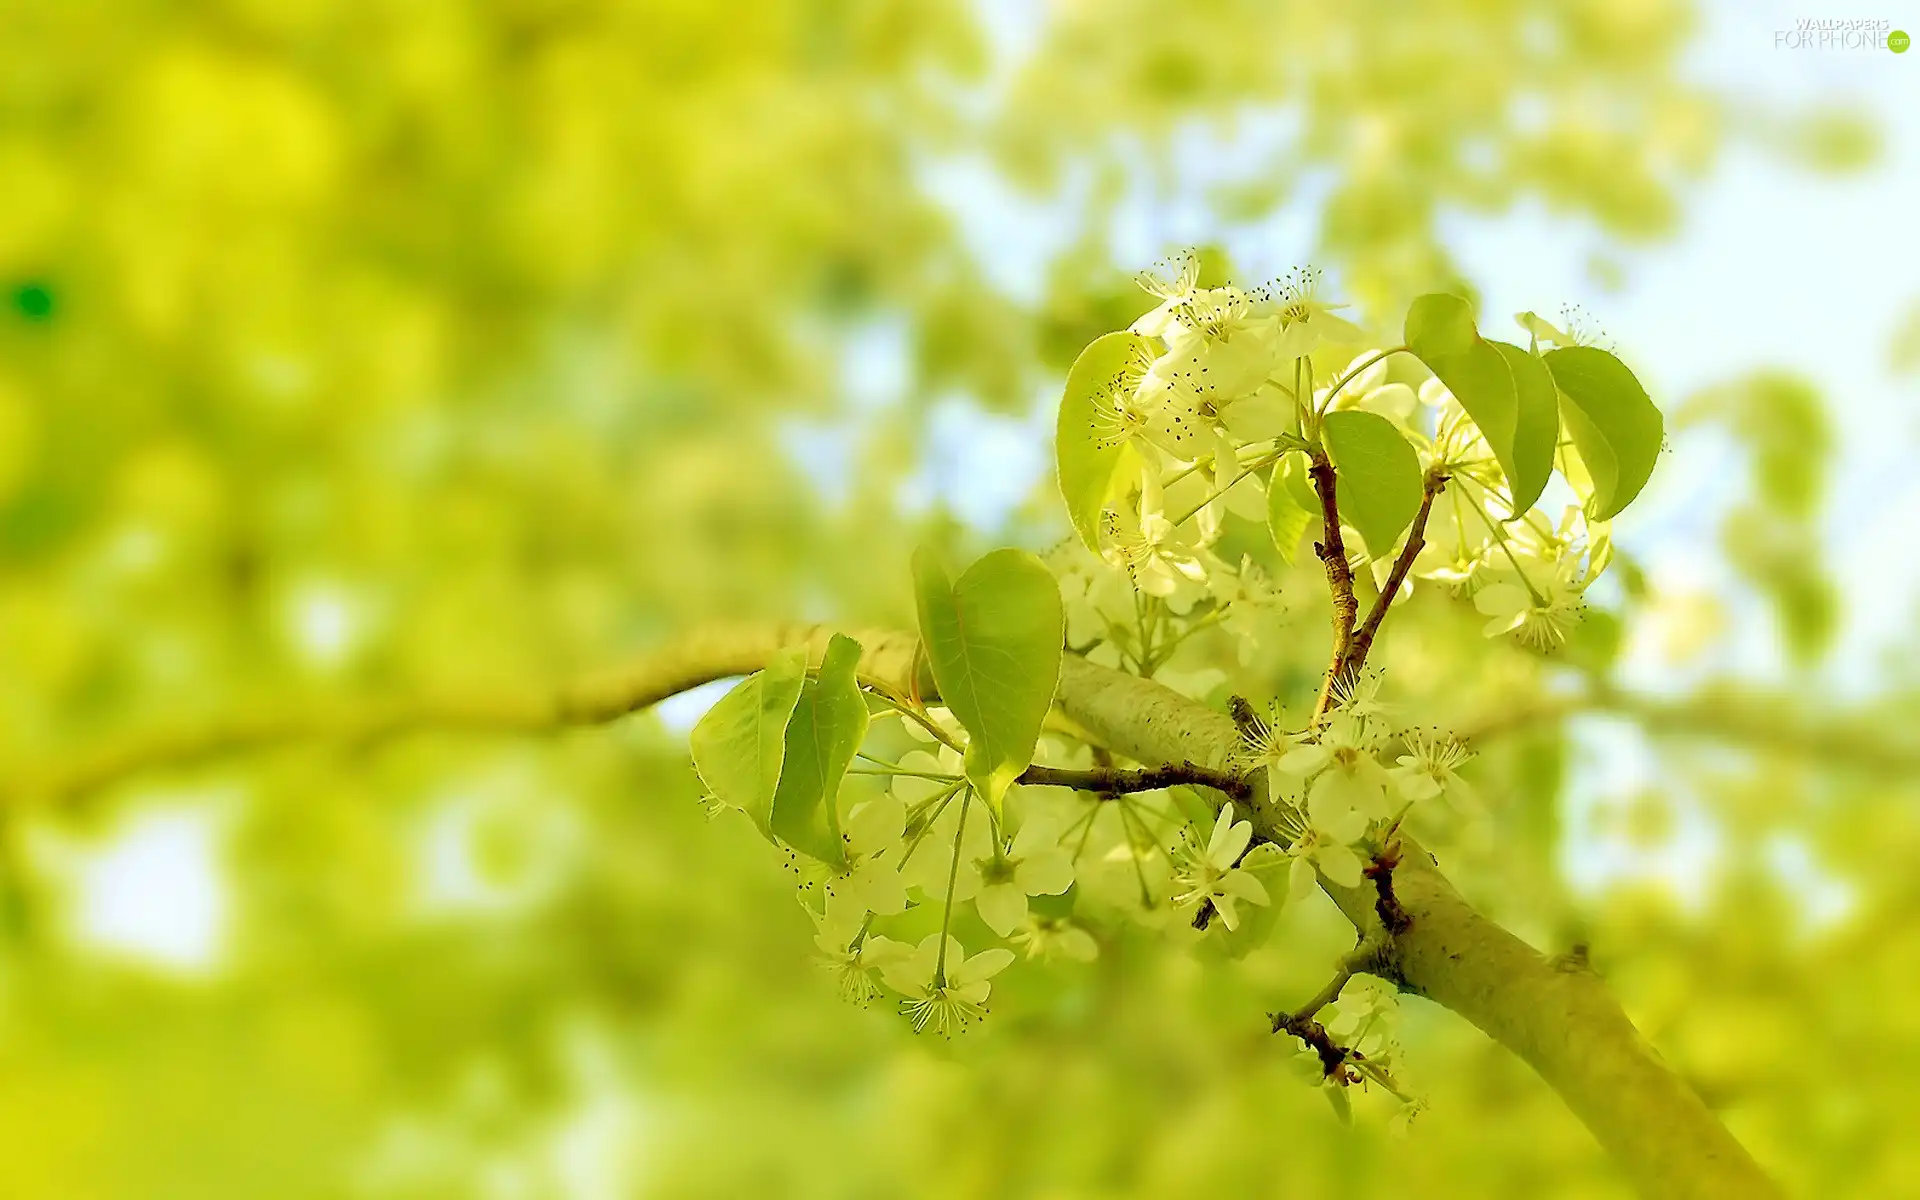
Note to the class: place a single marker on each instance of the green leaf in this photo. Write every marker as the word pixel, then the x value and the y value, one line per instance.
pixel 827 726
pixel 1379 474
pixel 1085 454
pixel 738 747
pixel 993 642
pixel 1614 425
pixel 1291 506
pixel 1536 428
pixel 1441 333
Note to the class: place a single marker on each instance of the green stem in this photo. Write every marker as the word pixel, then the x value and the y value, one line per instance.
pixel 1333 393
pixel 1250 468
pixel 953 880
pixel 1501 538
pixel 1139 870
pixel 943 798
pixel 889 769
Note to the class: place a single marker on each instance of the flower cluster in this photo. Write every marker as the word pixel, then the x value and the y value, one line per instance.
pixel 1202 414
pixel 1214 410
pixel 1363 1023
pixel 1334 797
pixel 1225 391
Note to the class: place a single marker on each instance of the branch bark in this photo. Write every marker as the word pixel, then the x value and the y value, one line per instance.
pixel 1116 781
pixel 1555 1014
pixel 1332 550
pixel 1362 642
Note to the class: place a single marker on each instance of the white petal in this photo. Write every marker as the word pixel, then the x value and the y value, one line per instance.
pixel 1263 857
pixel 1002 906
pixel 1245 886
pixel 1300 878
pixel 1337 330
pixel 1339 864
pixel 879 887
pixel 1047 873
pixel 1502 600
pixel 1331 808
pixel 1229 913
pixel 1304 759
pixel 1077 944
pixel 877 824
pixel 1264 414
pixel 981 967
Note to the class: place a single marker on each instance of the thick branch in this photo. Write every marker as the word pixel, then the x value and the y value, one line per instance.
pixel 1561 1021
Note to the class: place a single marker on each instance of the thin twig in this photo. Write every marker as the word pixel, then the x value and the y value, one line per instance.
pixel 1332 549
pixel 1113 781
pixel 1387 905
pixel 1356 656
pixel 1369 957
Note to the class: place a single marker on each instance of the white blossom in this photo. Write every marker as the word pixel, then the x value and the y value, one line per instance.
pixel 1211 874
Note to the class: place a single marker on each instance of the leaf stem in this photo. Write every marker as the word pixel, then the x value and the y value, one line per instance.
pixel 1333 392
pixel 953 879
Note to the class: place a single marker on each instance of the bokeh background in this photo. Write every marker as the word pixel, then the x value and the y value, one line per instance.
pixel 357 350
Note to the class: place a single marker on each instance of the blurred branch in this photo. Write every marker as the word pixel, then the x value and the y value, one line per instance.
pixel 1559 1018
pixel 1863 740
pixel 595 698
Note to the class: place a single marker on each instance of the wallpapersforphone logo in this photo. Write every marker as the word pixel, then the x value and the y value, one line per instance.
pixel 1842 33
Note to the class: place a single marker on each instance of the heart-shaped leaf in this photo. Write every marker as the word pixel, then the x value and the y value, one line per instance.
pixel 993 641
pixel 1614 425
pixel 1379 476
pixel 1536 429
pixel 1086 446
pixel 1440 332
pixel 828 724
pixel 740 745
pixel 1291 506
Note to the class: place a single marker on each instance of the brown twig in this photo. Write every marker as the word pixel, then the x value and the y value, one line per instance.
pixel 1369 956
pixel 1113 781
pixel 1333 1056
pixel 1362 642
pixel 1386 904
pixel 1332 550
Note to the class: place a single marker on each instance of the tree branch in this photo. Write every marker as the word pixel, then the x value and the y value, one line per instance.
pixel 1554 1014
pixel 1332 550
pixel 1562 1022
pixel 1367 958
pixel 594 698
pixel 1356 656
pixel 1114 781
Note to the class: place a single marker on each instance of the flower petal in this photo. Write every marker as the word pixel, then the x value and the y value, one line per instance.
pixel 1300 878
pixel 1047 873
pixel 1304 759
pixel 1246 887
pixel 1502 600
pixel 877 824
pixel 981 967
pixel 1340 864
pixel 1002 906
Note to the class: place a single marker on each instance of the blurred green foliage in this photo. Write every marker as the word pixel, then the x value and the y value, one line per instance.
pixel 359 349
